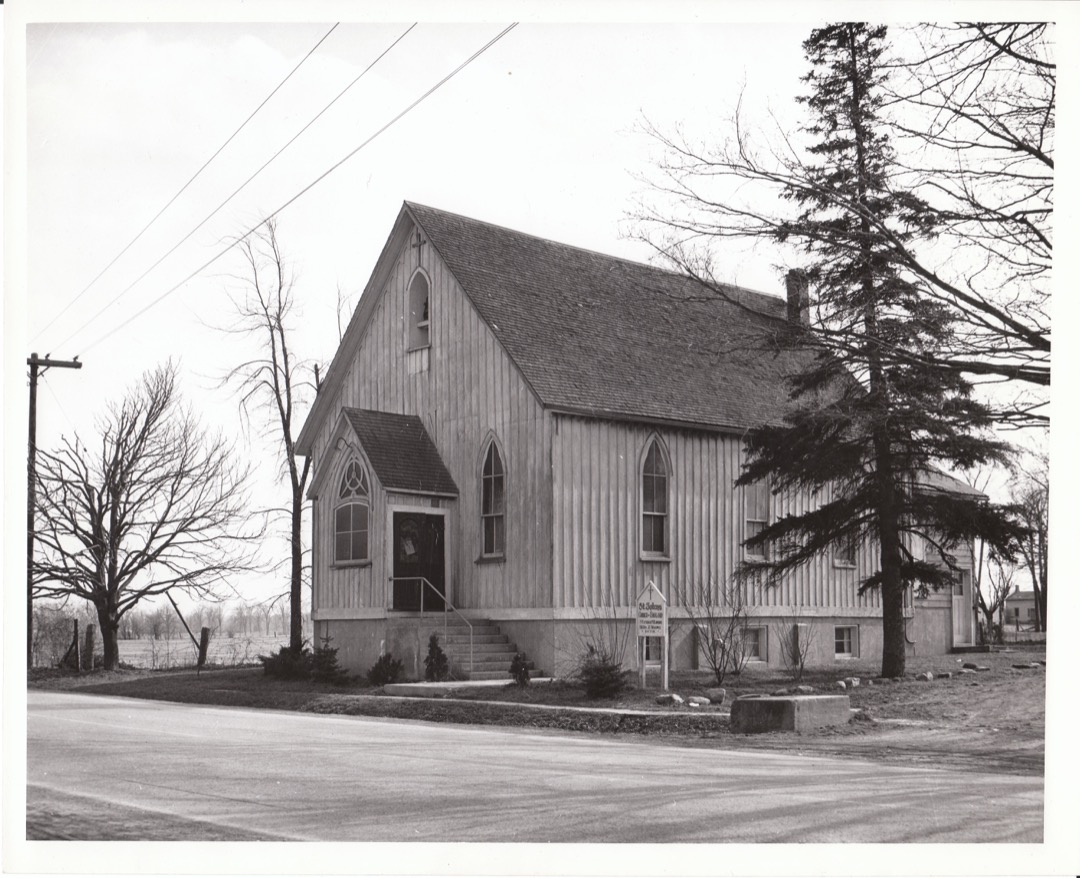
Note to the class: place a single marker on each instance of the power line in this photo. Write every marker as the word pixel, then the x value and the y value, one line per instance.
pixel 59 405
pixel 236 191
pixel 310 185
pixel 183 188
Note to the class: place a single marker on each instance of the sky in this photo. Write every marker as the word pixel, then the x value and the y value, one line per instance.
pixel 542 133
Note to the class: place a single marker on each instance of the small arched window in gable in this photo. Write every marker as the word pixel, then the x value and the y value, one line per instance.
pixel 654 501
pixel 493 502
pixel 419 312
pixel 351 516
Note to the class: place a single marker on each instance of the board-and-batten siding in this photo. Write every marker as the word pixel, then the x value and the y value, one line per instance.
pixel 597 507
pixel 469 390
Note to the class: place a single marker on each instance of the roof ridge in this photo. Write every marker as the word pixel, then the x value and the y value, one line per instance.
pixel 551 241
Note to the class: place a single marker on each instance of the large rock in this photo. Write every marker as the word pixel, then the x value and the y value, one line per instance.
pixel 967 670
pixel 669 698
pixel 852 682
pixel 841 685
pixel 924 677
pixel 716 695
pixel 789 713
pixel 945 675
pixel 698 701
pixel 971 666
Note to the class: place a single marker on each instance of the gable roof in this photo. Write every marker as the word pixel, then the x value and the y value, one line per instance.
pixel 401 452
pixel 609 337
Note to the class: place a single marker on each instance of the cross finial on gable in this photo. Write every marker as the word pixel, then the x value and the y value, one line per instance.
pixel 418 244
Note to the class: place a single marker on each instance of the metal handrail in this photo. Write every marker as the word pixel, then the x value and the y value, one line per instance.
pixel 423 580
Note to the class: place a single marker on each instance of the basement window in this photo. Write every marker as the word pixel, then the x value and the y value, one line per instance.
pixel 755 644
pixel 846 639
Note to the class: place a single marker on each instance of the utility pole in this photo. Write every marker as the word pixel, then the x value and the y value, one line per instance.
pixel 35 363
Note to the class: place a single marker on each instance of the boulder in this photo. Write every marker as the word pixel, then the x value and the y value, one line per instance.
pixel 967 670
pixel 669 698
pixel 804 690
pixel 924 677
pixel 841 685
pixel 852 682
pixel 698 701
pixel 945 675
pixel 971 666
pixel 716 696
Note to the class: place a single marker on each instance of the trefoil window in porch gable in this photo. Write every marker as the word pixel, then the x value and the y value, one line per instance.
pixel 351 516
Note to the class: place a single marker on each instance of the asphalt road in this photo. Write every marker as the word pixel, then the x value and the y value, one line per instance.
pixel 104 768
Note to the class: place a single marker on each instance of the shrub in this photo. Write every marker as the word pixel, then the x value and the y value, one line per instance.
pixel 601 675
pixel 288 664
pixel 386 670
pixel 519 669
pixel 324 664
pixel 436 665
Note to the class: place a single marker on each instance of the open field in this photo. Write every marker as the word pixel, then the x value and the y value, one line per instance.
pixel 990 720
pixel 243 649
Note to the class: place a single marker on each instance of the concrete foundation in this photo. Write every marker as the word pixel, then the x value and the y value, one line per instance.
pixel 789 713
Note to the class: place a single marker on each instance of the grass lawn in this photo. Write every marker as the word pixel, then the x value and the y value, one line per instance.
pixel 990 720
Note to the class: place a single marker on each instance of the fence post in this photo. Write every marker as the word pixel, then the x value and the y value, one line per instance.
pixel 88 649
pixel 204 644
pixel 75 645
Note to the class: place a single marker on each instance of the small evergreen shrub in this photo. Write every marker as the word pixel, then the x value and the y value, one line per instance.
pixel 601 676
pixel 288 664
pixel 324 664
pixel 436 665
pixel 519 670
pixel 386 670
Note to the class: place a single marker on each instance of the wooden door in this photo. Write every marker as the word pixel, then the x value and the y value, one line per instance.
pixel 419 554
pixel 961 611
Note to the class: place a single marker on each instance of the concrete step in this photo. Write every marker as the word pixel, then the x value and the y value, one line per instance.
pixel 477 631
pixel 462 648
pixel 502 675
pixel 492 650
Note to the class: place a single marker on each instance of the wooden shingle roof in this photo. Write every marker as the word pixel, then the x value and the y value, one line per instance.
pixel 401 452
pixel 612 338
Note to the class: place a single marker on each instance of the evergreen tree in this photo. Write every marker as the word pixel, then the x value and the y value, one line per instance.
pixel 871 415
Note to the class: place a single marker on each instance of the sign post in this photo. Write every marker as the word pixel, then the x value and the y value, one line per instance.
pixel 652 622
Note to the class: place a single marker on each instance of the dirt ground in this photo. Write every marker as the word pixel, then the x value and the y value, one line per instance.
pixel 989 720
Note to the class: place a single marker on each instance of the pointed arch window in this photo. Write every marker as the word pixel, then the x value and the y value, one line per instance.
pixel 493 503
pixel 654 501
pixel 756 503
pixel 419 312
pixel 351 516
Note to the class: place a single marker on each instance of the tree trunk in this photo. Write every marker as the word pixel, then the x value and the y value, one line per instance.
pixel 110 640
pixel 296 621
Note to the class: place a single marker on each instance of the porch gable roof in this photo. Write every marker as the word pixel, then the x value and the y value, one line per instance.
pixel 401 452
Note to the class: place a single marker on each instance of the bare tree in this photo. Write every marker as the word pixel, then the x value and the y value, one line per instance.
pixel 1031 496
pixel 973 111
pixel 797 638
pixel 1000 575
pixel 720 621
pixel 159 507
pixel 272 381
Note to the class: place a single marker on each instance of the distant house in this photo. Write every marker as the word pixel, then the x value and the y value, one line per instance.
pixel 531 433
pixel 1020 611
